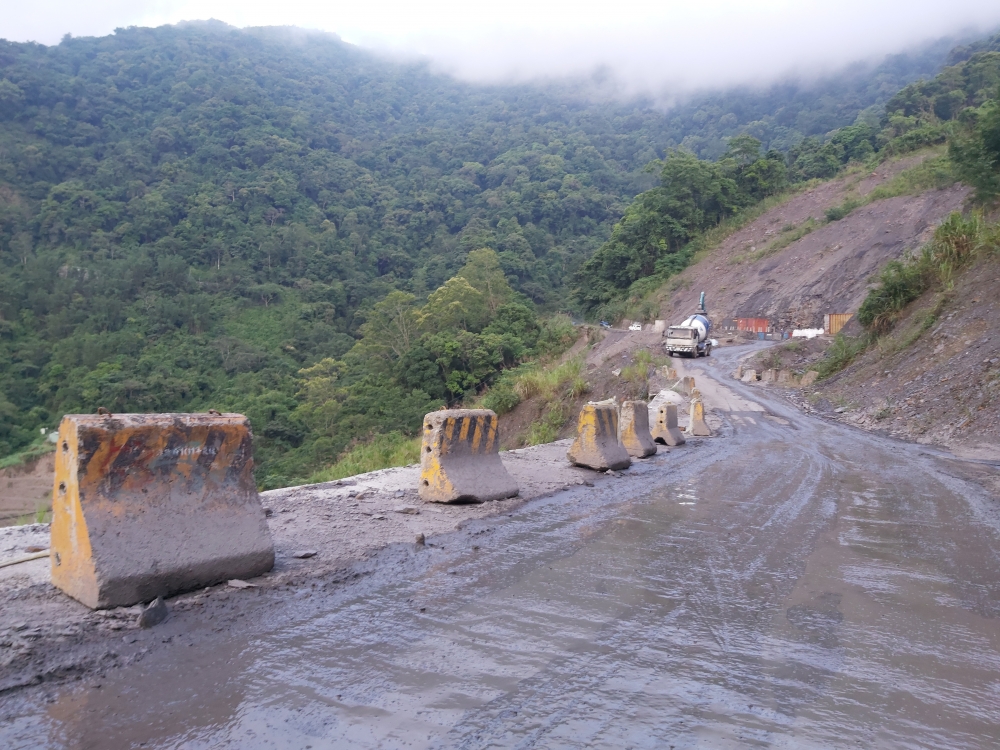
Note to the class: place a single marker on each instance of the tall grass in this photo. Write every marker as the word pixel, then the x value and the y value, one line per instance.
pixel 546 428
pixel 712 238
pixel 37 449
pixel 384 451
pixel 843 351
pixel 530 380
pixel 636 375
pixel 789 234
pixel 553 386
pixel 381 452
pixel 42 515
pixel 933 172
pixel 956 242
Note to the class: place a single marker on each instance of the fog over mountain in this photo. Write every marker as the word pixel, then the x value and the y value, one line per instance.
pixel 662 49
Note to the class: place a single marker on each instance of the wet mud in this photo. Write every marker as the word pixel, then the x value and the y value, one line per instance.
pixel 793 583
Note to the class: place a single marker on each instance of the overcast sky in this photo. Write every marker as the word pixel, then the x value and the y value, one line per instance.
pixel 671 44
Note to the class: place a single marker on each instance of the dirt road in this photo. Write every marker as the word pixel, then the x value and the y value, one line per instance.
pixel 793 582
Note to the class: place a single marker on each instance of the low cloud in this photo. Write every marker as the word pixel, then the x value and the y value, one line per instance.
pixel 666 48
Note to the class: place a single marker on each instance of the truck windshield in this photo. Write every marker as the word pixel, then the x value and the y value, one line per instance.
pixel 680 333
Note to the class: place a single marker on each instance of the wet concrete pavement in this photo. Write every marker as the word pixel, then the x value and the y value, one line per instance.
pixel 794 583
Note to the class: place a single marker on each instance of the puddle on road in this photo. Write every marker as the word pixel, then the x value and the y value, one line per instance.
pixel 785 597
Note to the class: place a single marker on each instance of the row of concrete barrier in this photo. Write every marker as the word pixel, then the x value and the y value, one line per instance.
pixel 460 454
pixel 776 376
pixel 148 505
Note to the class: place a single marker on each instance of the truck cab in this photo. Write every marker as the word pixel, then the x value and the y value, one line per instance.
pixel 686 341
pixel 682 340
pixel 690 338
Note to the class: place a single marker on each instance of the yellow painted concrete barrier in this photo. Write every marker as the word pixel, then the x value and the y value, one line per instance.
pixel 633 429
pixel 460 458
pixel 686 385
pixel 696 425
pixel 596 445
pixel 809 378
pixel 148 505
pixel 665 430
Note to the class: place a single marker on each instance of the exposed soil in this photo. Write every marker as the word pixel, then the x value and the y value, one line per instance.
pixel 827 270
pixel 25 489
pixel 942 389
pixel 795 355
pixel 936 378
pixel 45 635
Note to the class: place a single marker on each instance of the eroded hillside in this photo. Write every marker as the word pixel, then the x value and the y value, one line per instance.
pixel 762 270
pixel 936 377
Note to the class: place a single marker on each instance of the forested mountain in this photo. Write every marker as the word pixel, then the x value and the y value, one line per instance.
pixel 275 222
pixel 659 231
pixel 782 114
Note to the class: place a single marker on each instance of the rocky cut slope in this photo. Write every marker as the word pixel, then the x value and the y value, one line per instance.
pixel 935 378
pixel 793 264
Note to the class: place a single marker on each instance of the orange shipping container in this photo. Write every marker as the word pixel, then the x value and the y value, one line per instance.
pixel 754 325
pixel 833 322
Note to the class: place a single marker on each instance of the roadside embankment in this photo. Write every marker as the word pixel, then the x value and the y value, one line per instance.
pixel 792 264
pixel 935 378
pixel 26 489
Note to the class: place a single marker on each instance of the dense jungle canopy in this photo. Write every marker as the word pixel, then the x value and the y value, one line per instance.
pixel 275 222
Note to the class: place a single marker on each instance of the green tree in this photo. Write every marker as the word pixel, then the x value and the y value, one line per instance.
pixel 455 305
pixel 483 272
pixel 976 151
pixel 391 326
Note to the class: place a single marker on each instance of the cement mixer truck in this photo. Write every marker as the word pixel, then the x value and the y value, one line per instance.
pixel 690 338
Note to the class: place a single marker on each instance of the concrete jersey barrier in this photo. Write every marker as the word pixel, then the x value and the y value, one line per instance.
pixel 633 429
pixel 148 505
pixel 665 429
pixel 696 424
pixel 686 385
pixel 596 445
pixel 460 458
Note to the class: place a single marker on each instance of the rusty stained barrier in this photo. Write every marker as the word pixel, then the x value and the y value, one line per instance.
pixel 460 458
pixel 596 445
pixel 148 505
pixel 665 430
pixel 833 322
pixel 633 429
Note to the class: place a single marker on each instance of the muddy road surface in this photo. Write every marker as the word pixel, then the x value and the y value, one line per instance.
pixel 790 583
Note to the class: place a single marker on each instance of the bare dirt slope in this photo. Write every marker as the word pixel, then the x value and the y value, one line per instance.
pixel 936 378
pixel 25 489
pixel 827 270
